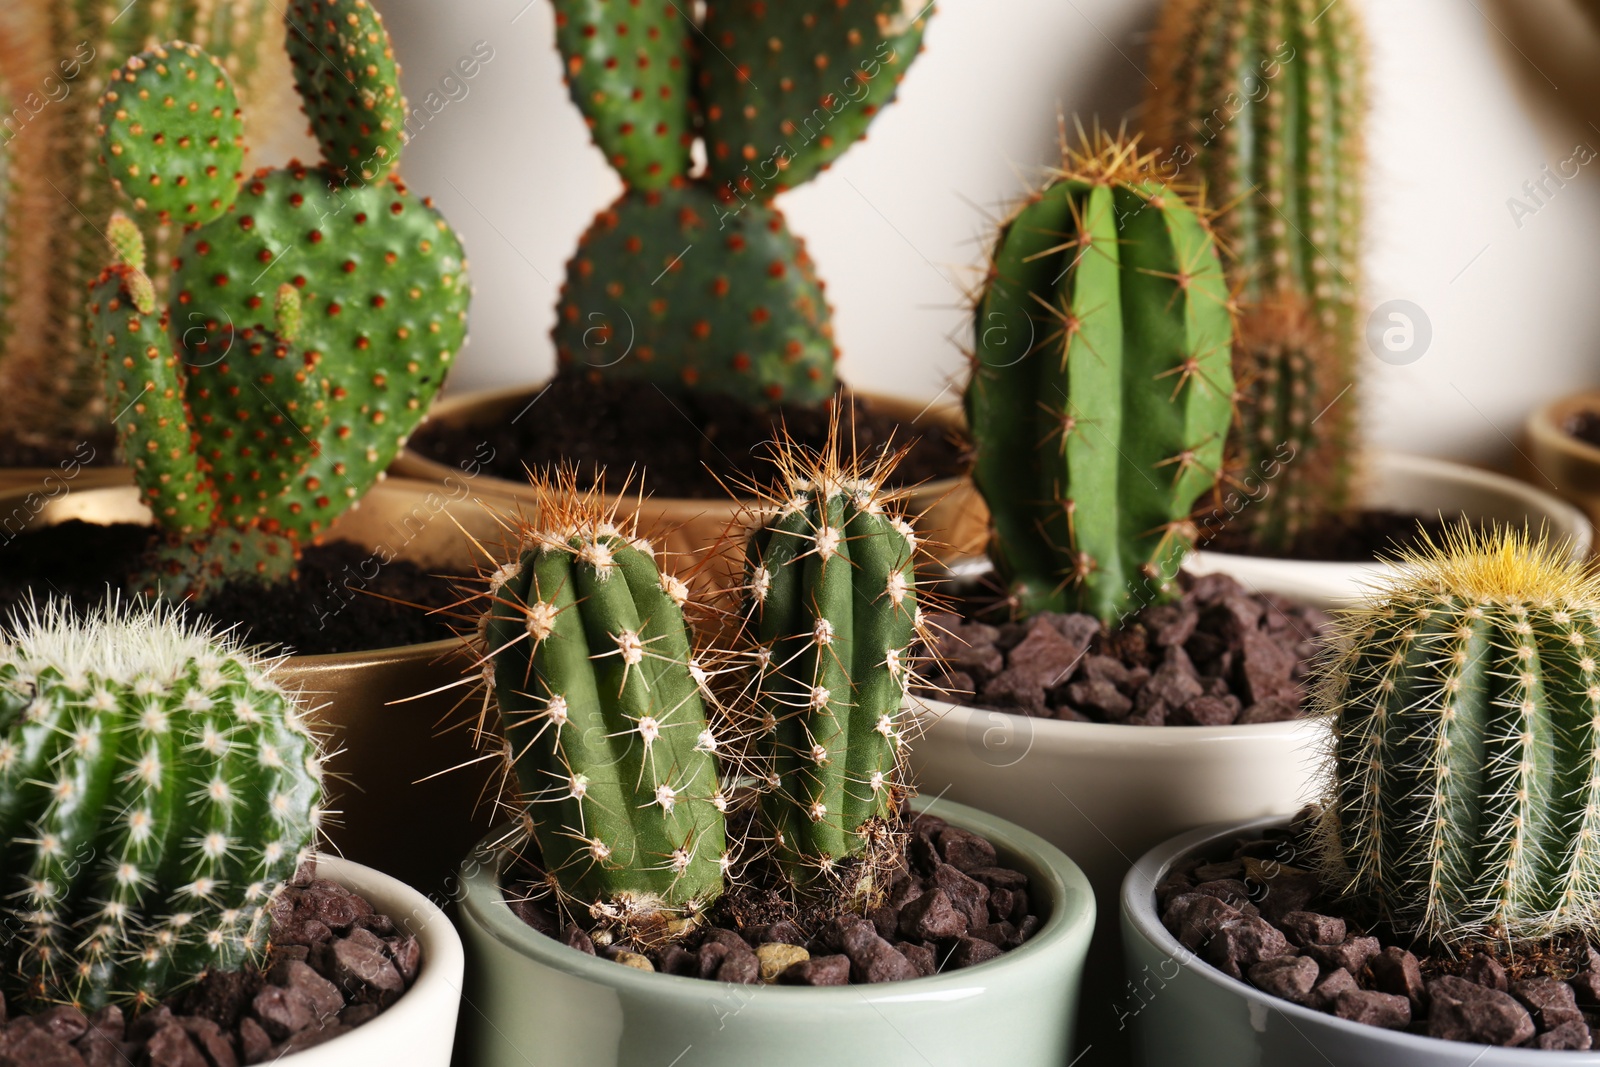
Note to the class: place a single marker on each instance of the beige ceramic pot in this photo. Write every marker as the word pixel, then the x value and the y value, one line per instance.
pixel 952 514
pixel 1558 459
pixel 400 805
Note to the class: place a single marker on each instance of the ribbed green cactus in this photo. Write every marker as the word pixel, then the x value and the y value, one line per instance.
pixel 314 311
pixel 1101 388
pixel 1265 102
pixel 156 788
pixel 832 604
pixel 1466 753
pixel 602 705
pixel 55 59
pixel 697 282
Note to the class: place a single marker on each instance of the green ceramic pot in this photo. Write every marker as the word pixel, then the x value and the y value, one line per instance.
pixel 535 1001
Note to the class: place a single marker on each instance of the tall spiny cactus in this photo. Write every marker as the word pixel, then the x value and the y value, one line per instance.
pixel 1101 388
pixel 602 706
pixel 1466 742
pixel 156 788
pixel 55 59
pixel 832 605
pixel 1264 101
pixel 696 281
pixel 314 310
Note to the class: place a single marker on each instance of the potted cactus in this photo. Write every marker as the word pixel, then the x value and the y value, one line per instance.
pixel 1103 700
pixel 162 799
pixel 734 808
pixel 54 200
pixel 260 390
pixel 689 305
pixel 1265 103
pixel 1447 881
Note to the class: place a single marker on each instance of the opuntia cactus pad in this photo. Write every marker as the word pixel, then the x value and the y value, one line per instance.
pixel 156 788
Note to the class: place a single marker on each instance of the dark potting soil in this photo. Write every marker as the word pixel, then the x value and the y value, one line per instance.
pixel 345 600
pixel 334 963
pixel 1357 537
pixel 1256 911
pixel 952 904
pixel 1585 426
pixel 682 443
pixel 98 451
pixel 1216 656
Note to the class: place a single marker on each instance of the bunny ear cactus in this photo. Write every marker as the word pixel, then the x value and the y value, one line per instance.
pixel 695 282
pixel 314 311
pixel 55 60
pixel 832 605
pixel 1101 389
pixel 1264 101
pixel 156 789
pixel 602 705
pixel 1466 743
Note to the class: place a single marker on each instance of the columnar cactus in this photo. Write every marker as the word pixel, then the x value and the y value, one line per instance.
pixel 156 788
pixel 1101 388
pixel 1466 755
pixel 696 282
pixel 1264 101
pixel 831 604
pixel 602 706
pixel 55 60
pixel 314 310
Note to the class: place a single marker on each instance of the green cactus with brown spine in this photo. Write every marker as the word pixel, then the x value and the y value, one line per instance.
pixel 1265 102
pixel 157 787
pixel 1464 799
pixel 696 282
pixel 55 60
pixel 1101 388
pixel 313 312
pixel 832 607
pixel 602 703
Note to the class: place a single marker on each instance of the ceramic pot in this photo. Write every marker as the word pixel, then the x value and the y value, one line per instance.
pixel 538 1001
pixel 401 805
pixel 1185 1013
pixel 418 1029
pixel 951 512
pixel 1412 485
pixel 1560 461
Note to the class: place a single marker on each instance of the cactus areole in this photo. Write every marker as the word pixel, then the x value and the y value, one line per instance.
pixel 313 311
pixel 156 788
pixel 1466 765
pixel 1101 388
pixel 692 280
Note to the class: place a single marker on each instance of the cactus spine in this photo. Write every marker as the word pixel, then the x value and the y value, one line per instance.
pixel 156 787
pixel 314 311
pixel 55 59
pixel 1466 769
pixel 1101 388
pixel 831 602
pixel 696 282
pixel 1264 101
pixel 603 708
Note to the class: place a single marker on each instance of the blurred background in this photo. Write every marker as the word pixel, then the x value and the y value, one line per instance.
pixel 1472 100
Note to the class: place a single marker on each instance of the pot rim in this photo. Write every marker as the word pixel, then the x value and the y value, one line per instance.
pixel 1112 735
pixel 1139 914
pixel 1544 425
pixel 483 902
pixel 414 465
pixel 443 955
pixel 428 650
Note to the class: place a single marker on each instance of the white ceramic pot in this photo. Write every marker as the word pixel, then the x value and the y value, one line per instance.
pixel 1189 1014
pixel 420 1029
pixel 1416 485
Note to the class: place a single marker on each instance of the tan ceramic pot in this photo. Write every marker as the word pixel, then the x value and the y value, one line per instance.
pixel 952 513
pixel 400 805
pixel 1558 459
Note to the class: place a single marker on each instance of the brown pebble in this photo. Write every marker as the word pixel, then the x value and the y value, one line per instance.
pixel 1374 1008
pixel 1394 970
pixel 967 895
pixel 323 996
pixel 1352 955
pixel 1572 1036
pixel 970 952
pixel 965 850
pixel 1486 971
pixel 818 971
pixel 785 932
pixel 574 937
pixel 406 954
pixel 282 1012
pixel 1550 1002
pixel 211 1041
pixel 1326 993
pixel 363 972
pixel 931 917
pixel 1288 977
pixel 1460 1010
pixel 356 1014
pixel 740 968
pixel 920 956
pixel 309 1039
pixel 1309 928
pixel 254 1042
pixel 1244 941
pixel 170 1047
pixel 29 1046
pixel 1194 918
